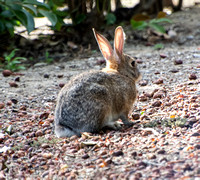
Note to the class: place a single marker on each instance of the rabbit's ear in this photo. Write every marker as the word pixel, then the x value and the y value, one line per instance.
pixel 119 40
pixel 104 45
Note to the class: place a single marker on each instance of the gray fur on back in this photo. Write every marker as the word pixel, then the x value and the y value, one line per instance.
pixel 87 100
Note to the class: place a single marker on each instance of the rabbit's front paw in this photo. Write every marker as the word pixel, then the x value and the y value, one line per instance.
pixel 129 123
pixel 117 125
pixel 126 122
pixel 114 125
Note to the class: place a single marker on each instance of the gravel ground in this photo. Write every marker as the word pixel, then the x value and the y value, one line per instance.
pixel 163 144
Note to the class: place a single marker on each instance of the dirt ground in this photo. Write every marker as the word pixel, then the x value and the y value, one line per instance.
pixel 164 143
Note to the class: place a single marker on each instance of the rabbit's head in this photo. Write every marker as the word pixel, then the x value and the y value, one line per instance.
pixel 116 60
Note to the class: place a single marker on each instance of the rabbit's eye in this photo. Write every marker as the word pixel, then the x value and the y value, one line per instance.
pixel 133 63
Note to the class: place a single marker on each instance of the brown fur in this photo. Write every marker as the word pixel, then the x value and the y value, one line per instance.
pixel 95 99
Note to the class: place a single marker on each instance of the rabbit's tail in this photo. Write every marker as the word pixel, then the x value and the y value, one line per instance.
pixel 63 131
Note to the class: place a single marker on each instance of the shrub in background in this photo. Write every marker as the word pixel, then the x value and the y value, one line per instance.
pixel 16 12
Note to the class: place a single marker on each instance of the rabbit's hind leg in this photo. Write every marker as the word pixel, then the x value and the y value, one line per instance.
pixel 112 122
pixel 62 131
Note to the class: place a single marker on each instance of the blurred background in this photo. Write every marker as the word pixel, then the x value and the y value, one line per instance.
pixel 39 29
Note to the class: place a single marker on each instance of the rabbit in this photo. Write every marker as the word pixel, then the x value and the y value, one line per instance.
pixel 99 98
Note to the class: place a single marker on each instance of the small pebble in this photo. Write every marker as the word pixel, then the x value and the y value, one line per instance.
pixel 154 91
pixel 17 79
pixel 141 163
pixel 162 151
pixel 157 72
pixel 136 116
pixel 196 134
pixel 101 61
pixel 44 115
pixel 163 159
pixel 192 76
pixel 85 156
pixel 15 101
pixel 156 103
pixel 158 81
pixel 146 133
pixel 142 98
pixel 187 167
pixel 176 62
pixel 174 70
pixel 152 156
pixel 139 61
pixel 23 107
pixel 44 174
pixel 196 55
pixel 61 85
pixel 168 104
pixel 134 154
pixel 2 105
pixel 47 155
pixel 45 145
pixel 197 146
pixel 13 84
pixel 46 75
pixel 32 134
pixel 158 94
pixel 190 37
pixel 145 117
pixel 118 153
pixel 135 176
pixel 6 73
pixel 163 55
pixel 108 160
pixel 172 33
pixel 9 103
pixel 149 95
pixel 143 83
pixel 60 75
pixel 38 133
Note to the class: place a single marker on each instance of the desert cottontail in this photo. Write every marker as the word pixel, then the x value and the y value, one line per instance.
pixel 97 99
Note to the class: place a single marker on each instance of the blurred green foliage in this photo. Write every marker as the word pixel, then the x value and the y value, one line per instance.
pixel 16 12
pixel 12 62
pixel 155 24
pixel 22 12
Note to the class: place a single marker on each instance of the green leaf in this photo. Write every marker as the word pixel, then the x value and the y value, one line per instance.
pixel 13 6
pixel 35 2
pixel 161 20
pixel 157 27
pixel 7 2
pixel 11 55
pixel 7 14
pixel 10 27
pixel 15 62
pixel 52 17
pixel 19 58
pixel 158 46
pixel 2 26
pixel 59 3
pixel 80 18
pixel 62 13
pixel 142 113
pixel 110 18
pixel 31 7
pixel 20 68
pixel 30 24
pixel 20 16
pixel 26 19
pixel 138 24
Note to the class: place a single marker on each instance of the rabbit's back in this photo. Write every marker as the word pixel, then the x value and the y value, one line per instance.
pixel 97 99
pixel 87 101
